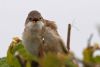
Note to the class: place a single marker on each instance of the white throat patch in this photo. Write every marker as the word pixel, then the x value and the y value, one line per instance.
pixel 35 25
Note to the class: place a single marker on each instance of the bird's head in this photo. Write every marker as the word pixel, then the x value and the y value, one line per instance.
pixel 34 21
pixel 34 16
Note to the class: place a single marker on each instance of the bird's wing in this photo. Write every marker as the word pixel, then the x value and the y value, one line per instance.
pixel 63 46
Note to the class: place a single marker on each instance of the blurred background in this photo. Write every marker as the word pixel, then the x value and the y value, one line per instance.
pixel 84 15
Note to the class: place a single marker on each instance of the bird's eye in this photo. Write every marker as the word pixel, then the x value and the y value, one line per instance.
pixel 30 18
pixel 40 18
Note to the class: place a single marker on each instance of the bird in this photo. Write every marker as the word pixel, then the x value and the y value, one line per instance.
pixel 32 35
pixel 39 31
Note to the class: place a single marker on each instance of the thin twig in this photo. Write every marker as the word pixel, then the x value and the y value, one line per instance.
pixel 68 37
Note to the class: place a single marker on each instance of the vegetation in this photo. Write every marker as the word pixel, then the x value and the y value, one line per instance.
pixel 49 60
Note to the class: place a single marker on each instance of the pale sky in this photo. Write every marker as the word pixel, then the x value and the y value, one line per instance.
pixel 84 14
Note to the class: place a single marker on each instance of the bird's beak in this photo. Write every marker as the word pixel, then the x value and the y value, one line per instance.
pixel 35 19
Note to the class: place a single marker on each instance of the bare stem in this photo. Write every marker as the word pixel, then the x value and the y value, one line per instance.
pixel 68 37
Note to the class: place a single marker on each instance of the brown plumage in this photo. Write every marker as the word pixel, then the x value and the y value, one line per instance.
pixel 52 40
pixel 39 31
